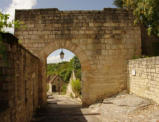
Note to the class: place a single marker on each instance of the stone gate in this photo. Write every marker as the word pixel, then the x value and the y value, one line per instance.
pixel 102 40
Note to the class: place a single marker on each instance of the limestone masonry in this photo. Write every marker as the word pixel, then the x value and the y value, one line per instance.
pixel 102 40
pixel 20 81
pixel 143 78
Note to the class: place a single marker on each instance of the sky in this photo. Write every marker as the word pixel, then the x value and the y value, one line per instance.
pixel 54 57
pixel 9 6
pixel 60 4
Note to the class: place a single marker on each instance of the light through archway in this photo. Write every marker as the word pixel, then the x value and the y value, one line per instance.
pixel 54 57
pixel 63 75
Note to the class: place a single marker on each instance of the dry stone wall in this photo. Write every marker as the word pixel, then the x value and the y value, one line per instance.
pixel 19 81
pixel 102 40
pixel 143 77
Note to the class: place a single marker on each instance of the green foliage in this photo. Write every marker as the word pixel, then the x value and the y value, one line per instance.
pixel 76 66
pixel 71 95
pixel 47 87
pixel 146 12
pixel 142 56
pixel 51 69
pixel 64 69
pixel 63 89
pixel 5 23
pixel 67 75
pixel 118 3
pixel 78 73
pixel 75 63
pixel 76 87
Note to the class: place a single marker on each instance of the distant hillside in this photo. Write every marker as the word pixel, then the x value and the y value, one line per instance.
pixel 64 69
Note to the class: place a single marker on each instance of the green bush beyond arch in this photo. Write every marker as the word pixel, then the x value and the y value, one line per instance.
pixel 76 87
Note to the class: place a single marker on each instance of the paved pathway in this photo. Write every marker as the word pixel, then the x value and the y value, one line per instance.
pixel 64 109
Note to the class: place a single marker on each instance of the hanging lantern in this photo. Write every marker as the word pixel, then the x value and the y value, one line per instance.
pixel 62 55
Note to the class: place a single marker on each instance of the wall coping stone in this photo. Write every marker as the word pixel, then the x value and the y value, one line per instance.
pixel 12 40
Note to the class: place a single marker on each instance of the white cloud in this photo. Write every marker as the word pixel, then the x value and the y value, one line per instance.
pixel 56 59
pixel 53 59
pixel 19 4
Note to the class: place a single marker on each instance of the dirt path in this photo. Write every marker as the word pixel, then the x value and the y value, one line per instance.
pixel 64 109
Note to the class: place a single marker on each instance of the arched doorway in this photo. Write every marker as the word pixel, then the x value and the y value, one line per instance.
pixel 102 43
pixel 83 58
pixel 63 74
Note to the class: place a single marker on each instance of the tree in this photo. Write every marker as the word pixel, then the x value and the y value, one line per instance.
pixel 64 69
pixel 146 12
pixel 75 63
pixel 5 23
pixel 118 3
pixel 76 66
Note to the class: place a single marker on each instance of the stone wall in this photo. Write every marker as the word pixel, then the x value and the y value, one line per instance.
pixel 19 81
pixel 143 77
pixel 102 40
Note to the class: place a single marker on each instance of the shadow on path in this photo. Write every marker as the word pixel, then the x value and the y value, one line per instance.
pixel 61 109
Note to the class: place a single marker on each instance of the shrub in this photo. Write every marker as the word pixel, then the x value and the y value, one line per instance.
pixel 63 89
pixel 47 88
pixel 76 87
pixel 71 95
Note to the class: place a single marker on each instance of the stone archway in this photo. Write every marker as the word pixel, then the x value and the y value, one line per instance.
pixel 76 49
pixel 103 41
pixel 79 52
